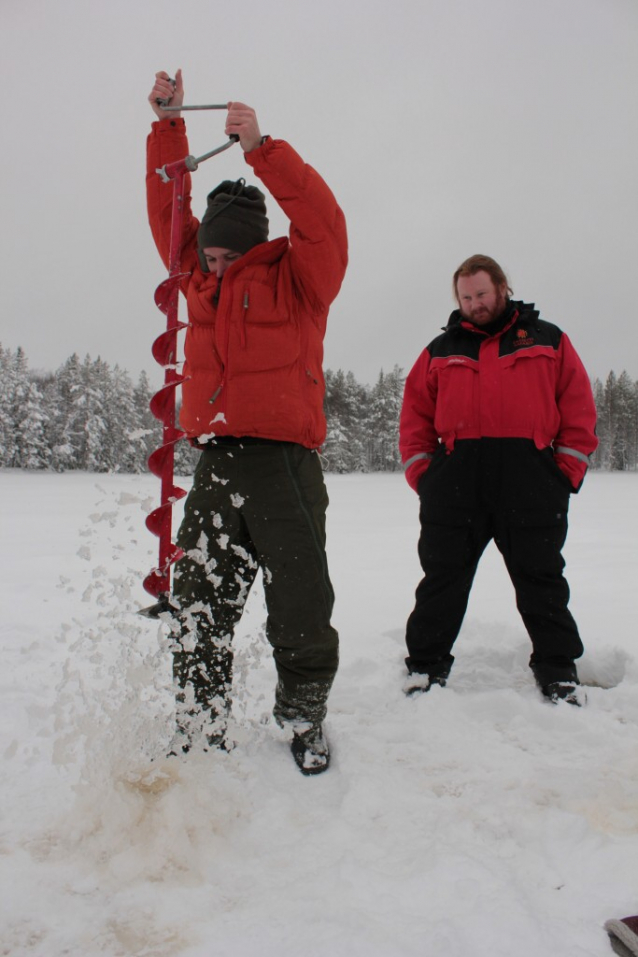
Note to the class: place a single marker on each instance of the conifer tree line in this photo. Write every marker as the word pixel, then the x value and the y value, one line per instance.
pixel 92 417
pixel 86 416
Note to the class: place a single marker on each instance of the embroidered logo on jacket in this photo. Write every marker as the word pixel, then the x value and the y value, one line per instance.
pixel 523 338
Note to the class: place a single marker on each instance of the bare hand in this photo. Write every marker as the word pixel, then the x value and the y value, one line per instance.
pixel 164 90
pixel 241 120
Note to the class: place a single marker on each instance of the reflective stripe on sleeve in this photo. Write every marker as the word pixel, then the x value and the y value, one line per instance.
pixel 416 458
pixel 577 455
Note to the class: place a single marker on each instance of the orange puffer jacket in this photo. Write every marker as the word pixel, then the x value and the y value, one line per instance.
pixel 253 362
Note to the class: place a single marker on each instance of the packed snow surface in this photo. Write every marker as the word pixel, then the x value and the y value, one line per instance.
pixel 473 820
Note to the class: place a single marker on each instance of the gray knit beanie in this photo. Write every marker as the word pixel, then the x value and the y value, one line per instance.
pixel 623 936
pixel 235 218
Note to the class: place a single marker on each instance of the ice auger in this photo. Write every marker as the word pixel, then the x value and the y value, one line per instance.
pixel 161 461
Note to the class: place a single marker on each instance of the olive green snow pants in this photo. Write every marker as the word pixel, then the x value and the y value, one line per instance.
pixel 256 504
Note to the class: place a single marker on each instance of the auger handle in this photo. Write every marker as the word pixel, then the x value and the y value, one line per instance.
pixel 192 162
pixel 208 106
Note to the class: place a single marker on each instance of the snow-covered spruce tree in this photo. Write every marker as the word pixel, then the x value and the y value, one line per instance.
pixel 121 419
pixel 96 444
pixel 596 459
pixel 336 448
pixel 6 424
pixel 23 440
pixel 186 458
pixel 31 438
pixel 65 425
pixel 346 408
pixel 383 421
pixel 623 438
pixel 357 403
pixel 617 426
pixel 145 432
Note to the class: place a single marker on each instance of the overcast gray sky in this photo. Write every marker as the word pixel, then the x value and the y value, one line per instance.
pixel 444 127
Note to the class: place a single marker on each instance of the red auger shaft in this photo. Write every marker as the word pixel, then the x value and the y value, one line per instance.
pixel 161 461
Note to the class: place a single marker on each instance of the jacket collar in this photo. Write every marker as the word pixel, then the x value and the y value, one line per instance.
pixel 270 252
pixel 514 311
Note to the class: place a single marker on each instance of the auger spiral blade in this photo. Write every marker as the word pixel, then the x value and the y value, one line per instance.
pixel 167 292
pixel 165 347
pixel 161 461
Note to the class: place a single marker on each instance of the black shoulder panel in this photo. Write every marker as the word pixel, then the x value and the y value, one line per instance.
pixel 528 331
pixel 456 341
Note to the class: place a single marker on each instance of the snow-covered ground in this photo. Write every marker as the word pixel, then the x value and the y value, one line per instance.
pixel 476 820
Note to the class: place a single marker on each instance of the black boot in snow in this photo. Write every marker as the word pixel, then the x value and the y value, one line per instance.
pixel 303 708
pixel 558 681
pixel 568 691
pixel 421 677
pixel 310 750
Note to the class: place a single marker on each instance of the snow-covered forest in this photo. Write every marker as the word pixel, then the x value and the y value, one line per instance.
pixel 93 417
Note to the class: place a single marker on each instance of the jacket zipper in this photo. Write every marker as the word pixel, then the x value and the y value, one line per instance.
pixel 245 303
pixel 243 319
pixel 221 385
pixel 217 391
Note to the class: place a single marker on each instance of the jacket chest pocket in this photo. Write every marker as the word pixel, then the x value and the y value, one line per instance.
pixel 260 306
pixel 529 387
pixel 531 354
pixel 457 397
pixel 529 382
pixel 268 334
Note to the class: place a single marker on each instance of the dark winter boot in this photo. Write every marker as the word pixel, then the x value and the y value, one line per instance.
pixel 310 750
pixel 557 680
pixel 567 691
pixel 421 676
pixel 304 708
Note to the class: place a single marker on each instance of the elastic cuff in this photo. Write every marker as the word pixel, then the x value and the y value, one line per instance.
pixel 169 124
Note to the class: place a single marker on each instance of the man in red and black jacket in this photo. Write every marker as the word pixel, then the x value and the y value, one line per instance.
pixel 497 425
pixel 253 404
